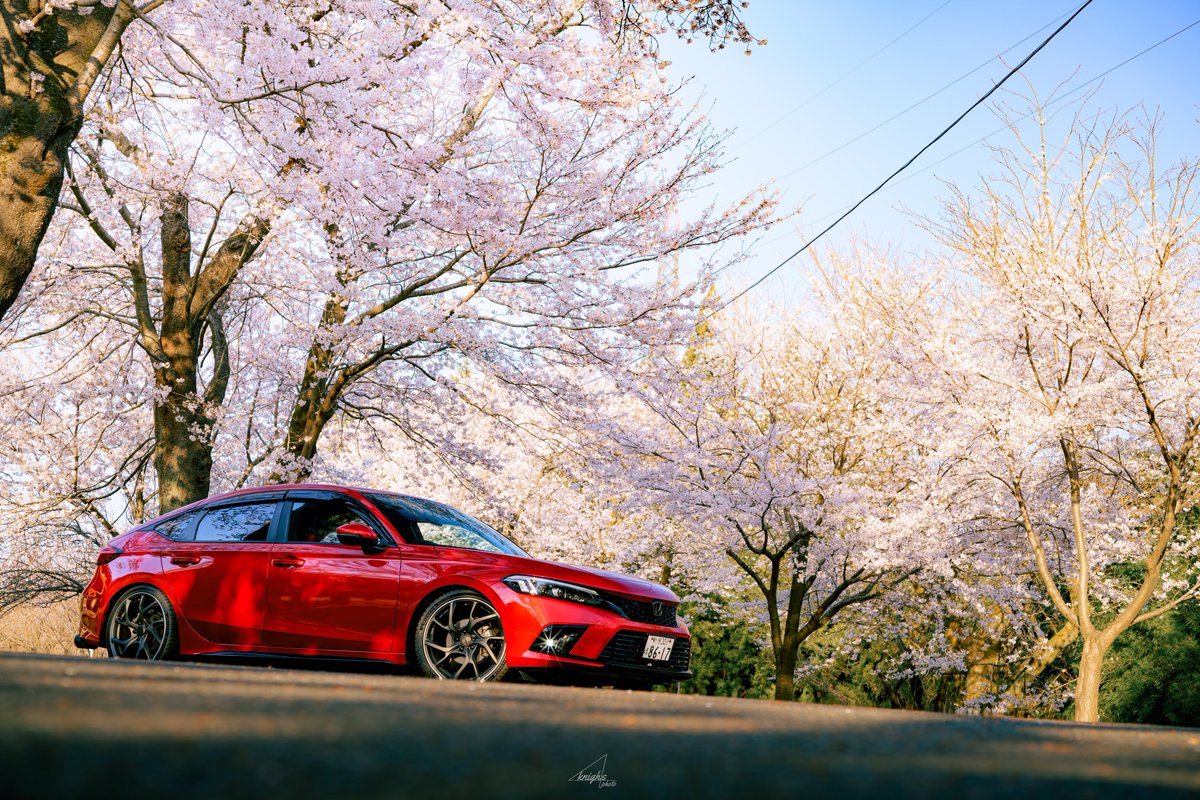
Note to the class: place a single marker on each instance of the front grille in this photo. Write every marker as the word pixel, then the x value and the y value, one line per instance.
pixel 640 611
pixel 626 647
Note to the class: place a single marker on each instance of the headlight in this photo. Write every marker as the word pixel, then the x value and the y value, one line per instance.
pixel 544 587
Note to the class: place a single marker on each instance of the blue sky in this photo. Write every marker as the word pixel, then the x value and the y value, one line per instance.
pixel 792 101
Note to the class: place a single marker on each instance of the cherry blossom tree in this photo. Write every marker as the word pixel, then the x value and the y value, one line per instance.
pixel 486 191
pixel 516 229
pixel 1060 375
pixel 284 221
pixel 771 446
pixel 54 53
pixel 174 312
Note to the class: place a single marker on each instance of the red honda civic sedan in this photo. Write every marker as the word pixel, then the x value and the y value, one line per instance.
pixel 336 573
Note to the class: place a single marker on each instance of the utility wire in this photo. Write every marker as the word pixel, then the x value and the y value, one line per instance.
pixel 1060 99
pixel 920 102
pixel 903 167
pixel 853 70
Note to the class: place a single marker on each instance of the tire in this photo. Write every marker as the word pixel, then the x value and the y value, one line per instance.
pixel 141 625
pixel 460 637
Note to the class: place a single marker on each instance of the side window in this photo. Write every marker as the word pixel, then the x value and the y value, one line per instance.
pixel 179 527
pixel 317 521
pixel 448 534
pixel 248 523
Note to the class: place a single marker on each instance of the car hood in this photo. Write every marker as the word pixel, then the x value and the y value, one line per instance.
pixel 613 582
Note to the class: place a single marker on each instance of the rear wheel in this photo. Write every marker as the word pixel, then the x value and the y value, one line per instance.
pixel 459 637
pixel 141 624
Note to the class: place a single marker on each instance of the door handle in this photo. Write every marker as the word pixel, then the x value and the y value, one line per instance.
pixel 287 562
pixel 185 561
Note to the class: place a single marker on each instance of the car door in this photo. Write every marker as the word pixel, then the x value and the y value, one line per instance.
pixel 324 596
pixel 217 571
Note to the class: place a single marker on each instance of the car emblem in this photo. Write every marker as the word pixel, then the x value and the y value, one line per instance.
pixel 656 608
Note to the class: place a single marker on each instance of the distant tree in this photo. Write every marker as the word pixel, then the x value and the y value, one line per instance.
pixel 1059 375
pixel 770 445
pixel 1153 673
pixel 728 656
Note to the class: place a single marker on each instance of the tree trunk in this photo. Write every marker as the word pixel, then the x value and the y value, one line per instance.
pixel 982 645
pixel 32 161
pixel 785 671
pixel 316 402
pixel 183 417
pixel 182 439
pixel 46 75
pixel 1087 686
pixel 984 653
pixel 182 433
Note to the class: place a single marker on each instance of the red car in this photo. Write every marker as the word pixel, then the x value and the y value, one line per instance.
pixel 338 573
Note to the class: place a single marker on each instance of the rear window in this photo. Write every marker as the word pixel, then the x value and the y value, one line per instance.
pixel 248 523
pixel 178 527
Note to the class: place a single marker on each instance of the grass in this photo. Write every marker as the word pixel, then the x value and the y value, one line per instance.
pixel 42 629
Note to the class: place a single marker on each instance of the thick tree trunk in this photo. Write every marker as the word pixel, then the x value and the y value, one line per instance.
pixel 46 75
pixel 32 161
pixel 1087 686
pixel 183 415
pixel 785 671
pixel 182 439
pixel 182 431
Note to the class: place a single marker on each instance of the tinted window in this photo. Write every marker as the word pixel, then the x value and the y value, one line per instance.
pixel 248 523
pixel 178 527
pixel 435 523
pixel 317 521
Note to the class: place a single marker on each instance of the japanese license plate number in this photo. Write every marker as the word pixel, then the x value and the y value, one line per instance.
pixel 658 648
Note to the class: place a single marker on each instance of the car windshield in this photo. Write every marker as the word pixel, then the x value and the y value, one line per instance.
pixel 441 525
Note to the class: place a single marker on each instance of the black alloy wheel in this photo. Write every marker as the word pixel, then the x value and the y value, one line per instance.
pixel 141 624
pixel 459 637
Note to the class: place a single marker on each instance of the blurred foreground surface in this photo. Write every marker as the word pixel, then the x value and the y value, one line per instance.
pixel 76 727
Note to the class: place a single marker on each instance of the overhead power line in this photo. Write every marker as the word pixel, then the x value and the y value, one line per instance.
pixel 850 72
pixel 1060 99
pixel 903 166
pixel 920 102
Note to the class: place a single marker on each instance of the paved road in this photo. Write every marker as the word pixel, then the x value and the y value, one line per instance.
pixel 95 728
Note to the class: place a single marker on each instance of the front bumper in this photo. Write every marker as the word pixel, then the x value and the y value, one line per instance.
pixel 621 661
pixel 610 649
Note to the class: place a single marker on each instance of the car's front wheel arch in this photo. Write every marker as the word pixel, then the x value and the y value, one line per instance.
pixel 431 596
pixel 457 632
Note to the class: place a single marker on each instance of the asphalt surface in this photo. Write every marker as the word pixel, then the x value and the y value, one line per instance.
pixel 96 728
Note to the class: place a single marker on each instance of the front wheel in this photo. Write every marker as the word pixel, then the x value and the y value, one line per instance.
pixel 459 637
pixel 141 624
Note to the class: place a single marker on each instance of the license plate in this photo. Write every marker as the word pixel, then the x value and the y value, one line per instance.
pixel 658 648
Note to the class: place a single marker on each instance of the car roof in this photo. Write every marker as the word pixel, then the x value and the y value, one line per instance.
pixel 353 491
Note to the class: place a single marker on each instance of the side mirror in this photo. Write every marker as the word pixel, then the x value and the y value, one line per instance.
pixel 360 535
